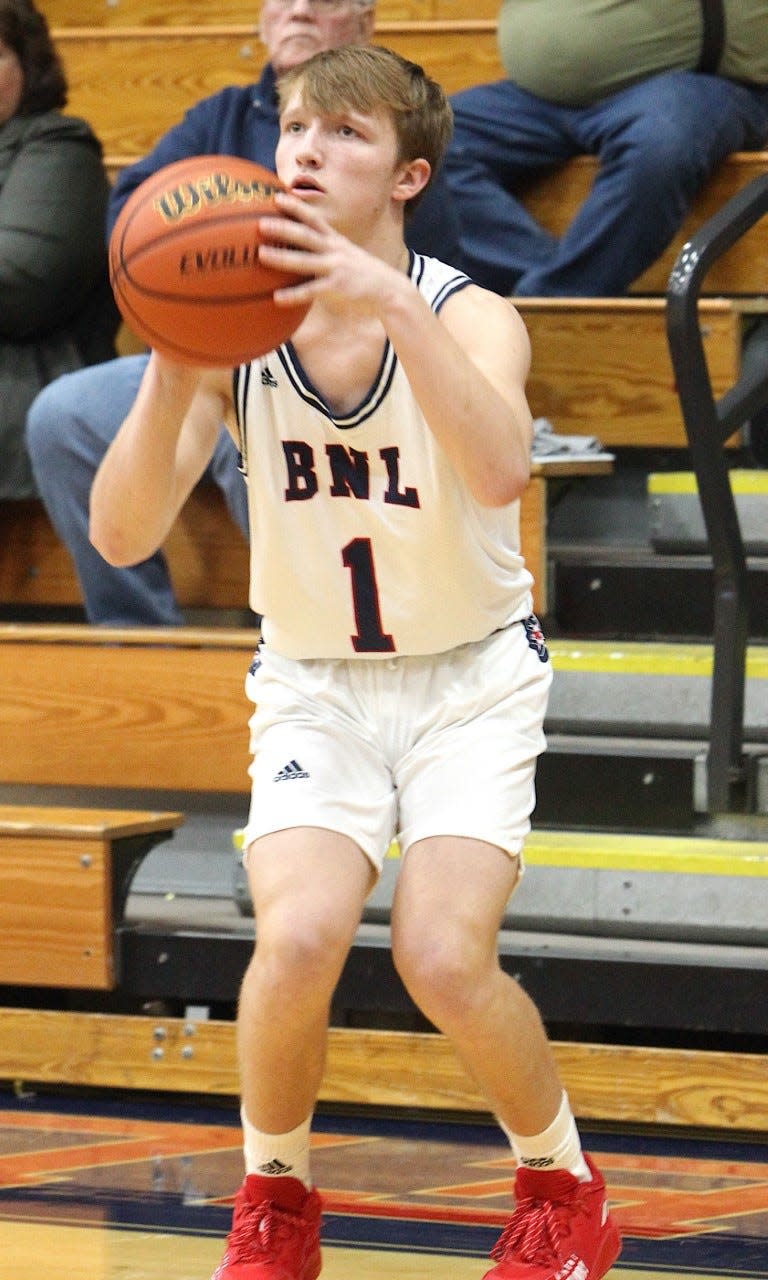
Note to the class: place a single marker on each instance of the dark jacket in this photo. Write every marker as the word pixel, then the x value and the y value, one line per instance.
pixel 244 122
pixel 56 307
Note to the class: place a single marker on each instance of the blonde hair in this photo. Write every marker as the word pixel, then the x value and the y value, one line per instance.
pixel 371 79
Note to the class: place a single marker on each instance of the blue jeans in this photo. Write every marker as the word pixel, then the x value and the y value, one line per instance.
pixel 657 144
pixel 69 427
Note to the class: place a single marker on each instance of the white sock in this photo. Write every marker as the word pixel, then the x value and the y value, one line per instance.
pixel 558 1147
pixel 277 1155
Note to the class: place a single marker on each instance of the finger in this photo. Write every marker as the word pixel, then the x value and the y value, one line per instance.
pixel 284 257
pixel 285 231
pixel 297 294
pixel 298 209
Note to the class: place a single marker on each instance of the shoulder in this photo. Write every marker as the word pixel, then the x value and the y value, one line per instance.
pixel 54 126
pixel 453 294
pixel 237 100
pixel 488 327
pixel 436 280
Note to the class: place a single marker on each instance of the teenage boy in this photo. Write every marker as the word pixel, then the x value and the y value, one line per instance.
pixel 385 449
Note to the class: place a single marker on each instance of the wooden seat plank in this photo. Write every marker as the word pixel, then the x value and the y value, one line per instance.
pixel 65 15
pixel 57 822
pixel 65 874
pixel 623 1083
pixel 602 366
pixel 161 713
pixel 132 87
pixel 207 554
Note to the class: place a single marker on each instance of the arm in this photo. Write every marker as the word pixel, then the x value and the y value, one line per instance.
pixel 467 367
pixel 52 208
pixel 156 458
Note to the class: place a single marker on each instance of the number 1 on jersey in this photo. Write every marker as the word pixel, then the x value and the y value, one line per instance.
pixel 357 556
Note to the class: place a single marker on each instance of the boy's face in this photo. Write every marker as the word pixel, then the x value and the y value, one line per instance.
pixel 346 163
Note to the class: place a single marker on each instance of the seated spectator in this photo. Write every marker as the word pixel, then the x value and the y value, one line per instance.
pixel 660 91
pixel 56 307
pixel 73 421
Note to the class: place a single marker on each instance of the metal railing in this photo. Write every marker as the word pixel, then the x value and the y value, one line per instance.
pixel 709 423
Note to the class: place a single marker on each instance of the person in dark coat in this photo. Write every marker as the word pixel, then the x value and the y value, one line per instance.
pixel 56 307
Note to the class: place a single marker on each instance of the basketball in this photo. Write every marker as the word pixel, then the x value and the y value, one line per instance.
pixel 184 265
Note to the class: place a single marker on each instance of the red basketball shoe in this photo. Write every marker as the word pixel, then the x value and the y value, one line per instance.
pixel 275 1232
pixel 561 1229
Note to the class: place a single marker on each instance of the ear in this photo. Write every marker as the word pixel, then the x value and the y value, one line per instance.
pixel 410 179
pixel 367 20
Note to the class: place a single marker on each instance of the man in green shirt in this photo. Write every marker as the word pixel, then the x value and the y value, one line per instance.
pixel 661 91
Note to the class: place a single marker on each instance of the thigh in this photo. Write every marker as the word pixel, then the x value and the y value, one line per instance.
pixel 471 771
pixel 457 887
pixel 308 885
pixel 89 404
pixel 681 117
pixel 501 125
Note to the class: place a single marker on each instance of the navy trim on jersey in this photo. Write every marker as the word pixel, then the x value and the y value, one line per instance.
pixel 458 282
pixel 304 387
pixel 241 379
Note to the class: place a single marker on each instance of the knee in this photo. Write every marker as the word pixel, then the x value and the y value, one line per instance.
pixel 442 972
pixel 46 428
pixel 661 141
pixel 59 427
pixel 300 962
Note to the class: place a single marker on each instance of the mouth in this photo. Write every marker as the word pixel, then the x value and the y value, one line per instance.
pixel 302 186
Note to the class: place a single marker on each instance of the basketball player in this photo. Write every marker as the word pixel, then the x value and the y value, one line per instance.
pixel 401 684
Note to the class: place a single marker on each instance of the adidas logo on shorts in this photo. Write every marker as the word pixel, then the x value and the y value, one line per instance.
pixel 290 772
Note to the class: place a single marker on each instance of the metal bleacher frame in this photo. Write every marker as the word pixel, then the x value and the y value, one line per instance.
pixel 709 423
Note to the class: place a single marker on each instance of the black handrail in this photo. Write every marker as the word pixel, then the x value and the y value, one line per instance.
pixel 709 424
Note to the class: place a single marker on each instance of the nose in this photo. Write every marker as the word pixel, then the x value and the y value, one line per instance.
pixel 308 154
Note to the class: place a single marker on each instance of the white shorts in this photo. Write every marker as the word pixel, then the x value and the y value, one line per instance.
pixel 403 747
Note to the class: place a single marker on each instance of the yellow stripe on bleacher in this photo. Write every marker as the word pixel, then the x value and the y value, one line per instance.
pixel 609 851
pixel 684 482
pixel 605 657
pixel 681 855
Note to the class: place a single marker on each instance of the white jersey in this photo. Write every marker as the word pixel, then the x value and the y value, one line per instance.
pixel 364 540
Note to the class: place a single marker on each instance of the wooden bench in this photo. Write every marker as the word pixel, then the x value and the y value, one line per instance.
pixel 207 554
pixel 166 710
pixel 144 709
pixel 65 876
pixel 601 366
pixel 606 1082
pixel 554 198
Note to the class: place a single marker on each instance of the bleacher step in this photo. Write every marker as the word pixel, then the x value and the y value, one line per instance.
pixel 622 593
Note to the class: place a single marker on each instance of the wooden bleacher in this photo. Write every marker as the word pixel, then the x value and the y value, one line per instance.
pixel 600 366
pixel 207 554
pixel 65 874
pixel 134 81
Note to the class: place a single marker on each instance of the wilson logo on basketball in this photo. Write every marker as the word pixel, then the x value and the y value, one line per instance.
pixel 217 188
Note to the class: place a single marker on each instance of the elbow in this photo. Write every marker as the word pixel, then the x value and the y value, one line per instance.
pixel 113 545
pixel 501 487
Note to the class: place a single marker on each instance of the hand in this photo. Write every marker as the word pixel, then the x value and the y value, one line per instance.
pixel 338 271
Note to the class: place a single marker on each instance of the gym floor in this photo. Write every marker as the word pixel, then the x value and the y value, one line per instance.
pixel 110 1187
